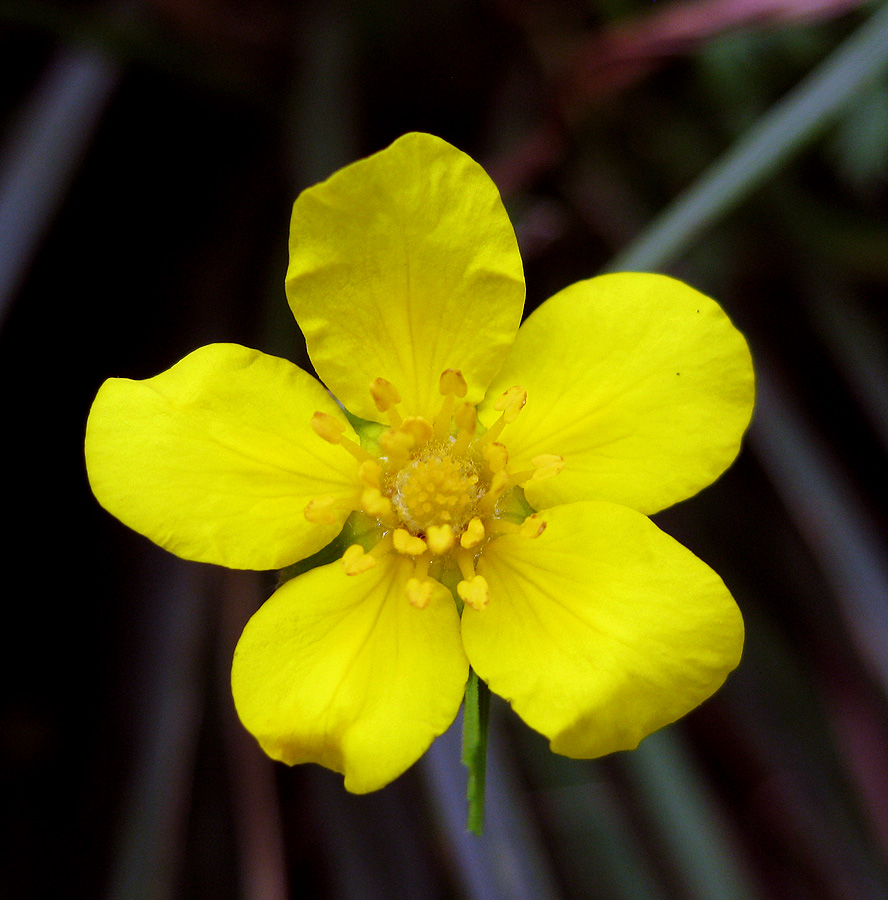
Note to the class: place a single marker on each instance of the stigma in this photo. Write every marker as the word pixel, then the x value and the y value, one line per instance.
pixel 436 490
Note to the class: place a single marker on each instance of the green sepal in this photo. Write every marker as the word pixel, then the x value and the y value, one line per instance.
pixel 513 506
pixel 358 529
pixel 368 432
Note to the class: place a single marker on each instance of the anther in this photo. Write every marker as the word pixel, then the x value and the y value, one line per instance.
pixel 547 465
pixel 474 592
pixel 386 398
pixel 420 588
pixel 327 427
pixel 376 504
pixel 420 591
pixel 533 526
pixel 452 383
pixel 496 456
pixel 473 535
pixel 510 404
pixel 397 445
pixel 356 560
pixel 331 430
pixel 440 539
pixel 418 428
pixel 407 543
pixel 370 473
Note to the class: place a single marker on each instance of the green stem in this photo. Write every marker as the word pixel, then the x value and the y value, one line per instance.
pixel 476 715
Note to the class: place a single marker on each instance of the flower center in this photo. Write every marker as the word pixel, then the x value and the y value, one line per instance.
pixel 435 489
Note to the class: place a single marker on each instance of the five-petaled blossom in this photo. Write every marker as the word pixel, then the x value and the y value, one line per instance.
pixel 494 483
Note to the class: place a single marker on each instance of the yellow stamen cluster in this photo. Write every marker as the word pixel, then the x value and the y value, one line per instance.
pixel 435 489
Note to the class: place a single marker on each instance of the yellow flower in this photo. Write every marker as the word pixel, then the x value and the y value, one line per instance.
pixel 498 510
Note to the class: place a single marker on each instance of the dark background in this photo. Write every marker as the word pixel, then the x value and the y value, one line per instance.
pixel 149 155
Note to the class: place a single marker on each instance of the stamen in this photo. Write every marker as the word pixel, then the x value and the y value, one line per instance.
pixel 440 539
pixel 547 465
pixel 386 398
pixel 327 427
pixel 397 445
pixel 327 510
pixel 496 527
pixel 474 592
pixel 511 403
pixel 473 535
pixel 421 567
pixel 496 455
pixel 370 473
pixel 331 430
pixel 498 486
pixel 420 588
pixel 466 420
pixel 451 385
pixel 419 592
pixel 407 543
pixel 465 559
pixel 431 493
pixel 355 560
pixel 373 501
pixel 418 428
pixel 376 504
pixel 533 526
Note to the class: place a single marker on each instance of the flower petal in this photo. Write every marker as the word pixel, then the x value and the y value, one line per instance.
pixel 344 672
pixel 403 265
pixel 640 382
pixel 601 630
pixel 215 459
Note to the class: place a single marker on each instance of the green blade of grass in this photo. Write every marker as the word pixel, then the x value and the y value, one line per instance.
pixel 783 131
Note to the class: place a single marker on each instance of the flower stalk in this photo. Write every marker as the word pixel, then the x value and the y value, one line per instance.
pixel 476 719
